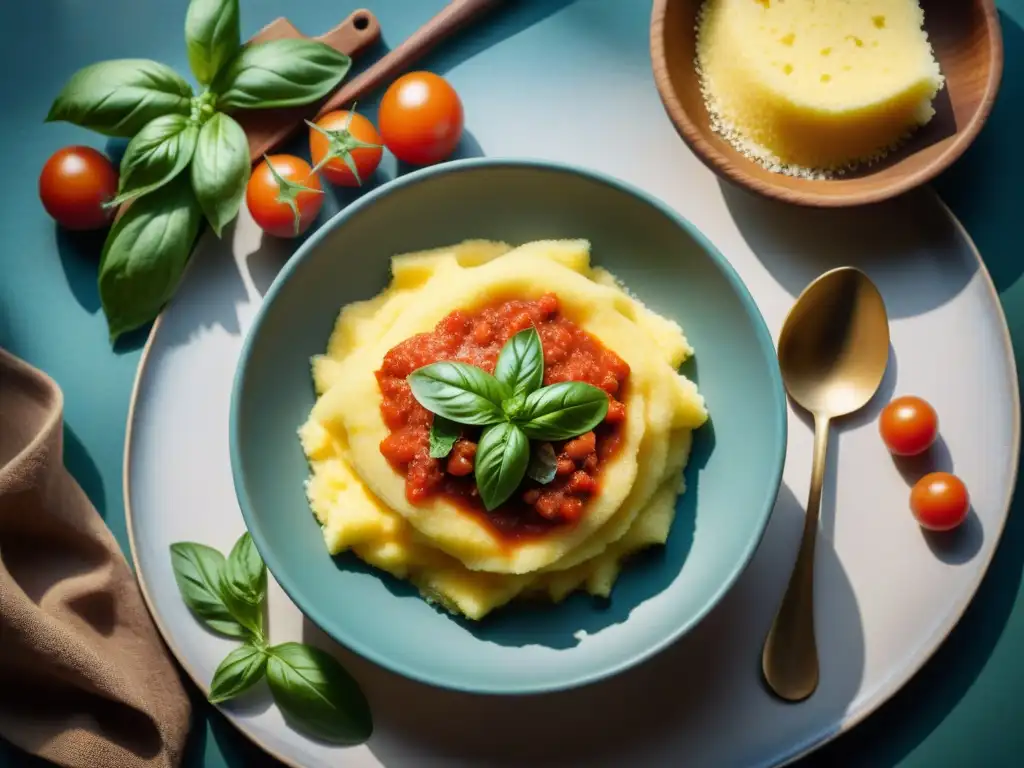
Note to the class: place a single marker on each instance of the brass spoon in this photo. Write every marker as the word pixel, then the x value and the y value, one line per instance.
pixel 833 352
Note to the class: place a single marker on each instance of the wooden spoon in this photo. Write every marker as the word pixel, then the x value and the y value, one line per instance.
pixel 450 20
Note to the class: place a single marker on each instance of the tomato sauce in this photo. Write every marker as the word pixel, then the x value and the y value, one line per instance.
pixel 570 354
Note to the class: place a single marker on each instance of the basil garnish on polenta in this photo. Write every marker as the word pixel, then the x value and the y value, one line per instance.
pixel 469 395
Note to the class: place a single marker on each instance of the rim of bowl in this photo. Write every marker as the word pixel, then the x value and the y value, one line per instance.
pixel 311 610
pixel 710 156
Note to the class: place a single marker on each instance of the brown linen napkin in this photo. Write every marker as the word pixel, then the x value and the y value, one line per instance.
pixel 85 680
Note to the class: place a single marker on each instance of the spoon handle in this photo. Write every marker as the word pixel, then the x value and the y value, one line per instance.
pixel 448 21
pixel 790 657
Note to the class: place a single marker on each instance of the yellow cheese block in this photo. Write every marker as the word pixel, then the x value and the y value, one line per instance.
pixel 816 84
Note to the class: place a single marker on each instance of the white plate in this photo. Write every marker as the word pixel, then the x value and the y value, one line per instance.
pixel 886 594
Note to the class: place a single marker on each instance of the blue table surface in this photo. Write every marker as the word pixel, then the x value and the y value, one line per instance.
pixel 964 708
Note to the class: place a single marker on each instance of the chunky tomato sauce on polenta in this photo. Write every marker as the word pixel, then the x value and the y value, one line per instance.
pixel 476 338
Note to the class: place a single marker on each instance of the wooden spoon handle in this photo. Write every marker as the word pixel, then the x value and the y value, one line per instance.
pixel 453 17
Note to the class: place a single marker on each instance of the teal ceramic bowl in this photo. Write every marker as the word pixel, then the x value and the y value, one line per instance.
pixel 733 475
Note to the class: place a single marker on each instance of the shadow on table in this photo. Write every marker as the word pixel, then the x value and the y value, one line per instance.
pixel 991 204
pixel 82 467
pixel 797 244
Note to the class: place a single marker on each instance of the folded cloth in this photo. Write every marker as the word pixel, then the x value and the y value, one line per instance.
pixel 85 679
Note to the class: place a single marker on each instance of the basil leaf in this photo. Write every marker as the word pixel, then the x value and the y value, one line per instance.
pixel 245 585
pixel 563 410
pixel 245 573
pixel 460 392
pixel 145 255
pixel 317 695
pixel 211 36
pixel 240 670
pixel 500 464
pixel 157 153
pixel 198 572
pixel 220 170
pixel 117 98
pixel 279 73
pixel 443 434
pixel 543 464
pixel 521 363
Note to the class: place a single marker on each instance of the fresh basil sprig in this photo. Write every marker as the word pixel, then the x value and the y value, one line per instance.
pixel 513 408
pixel 313 691
pixel 173 129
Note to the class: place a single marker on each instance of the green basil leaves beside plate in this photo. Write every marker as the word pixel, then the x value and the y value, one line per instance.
pixel 172 129
pixel 145 255
pixel 314 692
pixel 513 408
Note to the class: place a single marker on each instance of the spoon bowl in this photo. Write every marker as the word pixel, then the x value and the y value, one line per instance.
pixel 833 352
pixel 830 349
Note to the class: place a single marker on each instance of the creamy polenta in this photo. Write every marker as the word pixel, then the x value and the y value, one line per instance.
pixel 616 486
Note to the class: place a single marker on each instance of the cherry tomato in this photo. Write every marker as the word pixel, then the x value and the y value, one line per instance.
pixel 345 133
pixel 420 118
pixel 284 195
pixel 74 184
pixel 940 501
pixel 909 426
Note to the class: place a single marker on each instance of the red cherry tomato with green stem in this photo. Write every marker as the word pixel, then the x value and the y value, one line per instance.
pixel 345 147
pixel 73 186
pixel 420 118
pixel 940 501
pixel 909 426
pixel 284 196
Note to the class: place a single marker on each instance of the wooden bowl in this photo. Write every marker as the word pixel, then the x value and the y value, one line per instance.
pixel 968 45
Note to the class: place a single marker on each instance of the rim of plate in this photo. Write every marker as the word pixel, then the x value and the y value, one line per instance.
pixel 767 347
pixel 884 693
